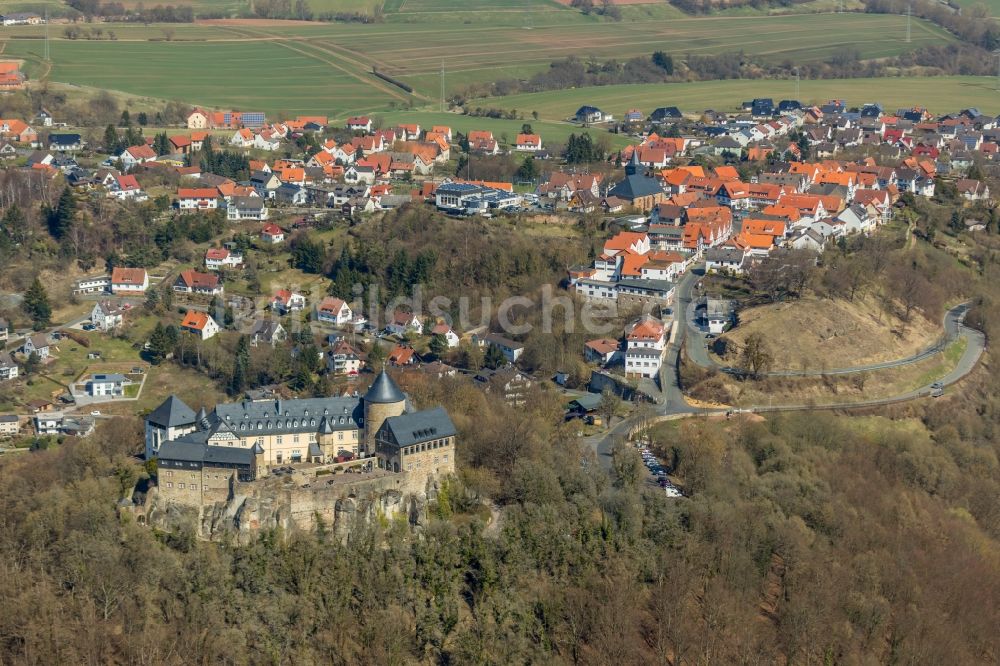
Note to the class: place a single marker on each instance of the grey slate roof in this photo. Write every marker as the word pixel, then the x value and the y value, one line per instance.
pixel 420 426
pixel 289 416
pixel 193 451
pixel 384 390
pixel 173 412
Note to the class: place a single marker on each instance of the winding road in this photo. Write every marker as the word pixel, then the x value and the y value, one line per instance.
pixel 672 404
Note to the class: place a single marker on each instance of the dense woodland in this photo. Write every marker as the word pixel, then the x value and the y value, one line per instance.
pixel 812 538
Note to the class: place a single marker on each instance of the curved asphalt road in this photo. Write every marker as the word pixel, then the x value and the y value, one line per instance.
pixel 953 319
pixel 672 403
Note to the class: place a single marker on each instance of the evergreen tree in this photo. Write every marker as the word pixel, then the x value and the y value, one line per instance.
pixel 527 170
pixel 142 118
pixel 126 119
pixel 36 305
pixel 159 345
pixel 376 356
pixel 308 255
pixel 161 144
pixel 240 378
pixel 152 299
pixel 32 364
pixel 494 357
pixel 664 62
pixel 439 344
pixel 61 218
pixel 111 140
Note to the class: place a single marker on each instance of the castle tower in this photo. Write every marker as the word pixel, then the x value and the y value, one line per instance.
pixel 383 399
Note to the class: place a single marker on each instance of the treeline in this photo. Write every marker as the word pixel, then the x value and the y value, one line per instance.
pixel 709 6
pixel 116 10
pixel 956 58
pixel 972 25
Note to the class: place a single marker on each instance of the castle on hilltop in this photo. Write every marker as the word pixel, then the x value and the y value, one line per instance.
pixel 202 456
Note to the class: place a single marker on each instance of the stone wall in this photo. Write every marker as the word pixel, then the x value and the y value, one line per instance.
pixel 343 506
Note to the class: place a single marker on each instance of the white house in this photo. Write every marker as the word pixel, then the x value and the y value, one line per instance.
pixel 246 208
pixel 285 301
pixel 449 335
pixel 134 155
pixel 193 282
pixel 93 285
pixel 129 281
pixel 403 322
pixel 333 310
pixel 360 124
pixel 37 344
pixel 272 234
pixel 106 316
pixel 511 349
pixel 200 324
pixel 197 198
pixel 218 258
pixel 8 368
pixel 528 143
pixel 645 342
pixel 111 386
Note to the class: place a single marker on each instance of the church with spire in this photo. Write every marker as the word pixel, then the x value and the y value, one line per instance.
pixel 200 454
pixel 640 191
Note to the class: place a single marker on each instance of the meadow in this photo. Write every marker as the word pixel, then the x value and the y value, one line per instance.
pixel 290 68
pixel 939 94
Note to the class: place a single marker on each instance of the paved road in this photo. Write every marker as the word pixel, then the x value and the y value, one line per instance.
pixel 673 404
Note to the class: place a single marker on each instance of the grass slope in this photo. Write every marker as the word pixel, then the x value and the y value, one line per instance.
pixel 939 94
pixel 325 68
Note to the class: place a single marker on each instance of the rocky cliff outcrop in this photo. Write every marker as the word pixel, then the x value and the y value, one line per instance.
pixel 343 508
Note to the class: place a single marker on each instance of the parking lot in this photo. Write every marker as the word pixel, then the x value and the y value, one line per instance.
pixel 658 472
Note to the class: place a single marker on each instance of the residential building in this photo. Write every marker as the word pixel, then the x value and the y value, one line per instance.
pixel 272 234
pixel 93 285
pixel 645 342
pixel 511 349
pixel 343 359
pixel 36 344
pixel 107 316
pixel 246 208
pixel 333 310
pixel 197 198
pixel 603 351
pixel 267 331
pixel 449 335
pixel 200 324
pixel 8 368
pixel 285 301
pixel 107 386
pixel 129 281
pixel 218 258
pixel 193 282
pixel 10 424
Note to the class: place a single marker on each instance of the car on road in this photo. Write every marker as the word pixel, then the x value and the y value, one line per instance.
pixel 96 412
pixel 937 385
pixel 937 393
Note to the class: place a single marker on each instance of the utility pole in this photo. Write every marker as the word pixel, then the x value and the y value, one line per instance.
pixel 909 8
pixel 46 34
pixel 442 84
pixel 997 54
pixel 797 97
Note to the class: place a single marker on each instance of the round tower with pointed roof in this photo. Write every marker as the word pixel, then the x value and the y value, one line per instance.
pixel 383 400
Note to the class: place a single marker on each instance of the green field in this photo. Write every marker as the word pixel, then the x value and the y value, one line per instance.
pixel 939 94
pixel 556 132
pixel 289 68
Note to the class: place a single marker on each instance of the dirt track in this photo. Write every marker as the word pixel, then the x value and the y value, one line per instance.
pixel 258 23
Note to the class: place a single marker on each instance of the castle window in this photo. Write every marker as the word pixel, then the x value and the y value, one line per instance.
pixel 295 423
pixel 312 422
pixel 169 484
pixel 181 486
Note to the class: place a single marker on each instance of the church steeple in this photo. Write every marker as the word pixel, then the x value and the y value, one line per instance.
pixel 633 167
